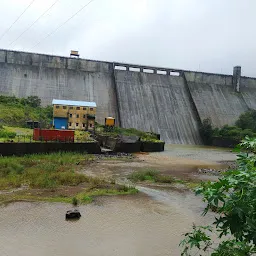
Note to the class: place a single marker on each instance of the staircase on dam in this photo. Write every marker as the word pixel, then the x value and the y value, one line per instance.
pixel 147 98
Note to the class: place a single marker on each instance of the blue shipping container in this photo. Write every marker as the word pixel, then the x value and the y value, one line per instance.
pixel 60 123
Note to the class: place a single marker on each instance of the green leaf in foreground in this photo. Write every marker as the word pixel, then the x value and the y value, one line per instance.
pixel 233 199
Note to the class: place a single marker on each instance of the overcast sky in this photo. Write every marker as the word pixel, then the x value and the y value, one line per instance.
pixel 202 35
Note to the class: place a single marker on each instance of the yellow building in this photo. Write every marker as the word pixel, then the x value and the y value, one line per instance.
pixel 74 115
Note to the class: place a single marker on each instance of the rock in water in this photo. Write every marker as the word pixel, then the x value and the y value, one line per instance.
pixel 73 214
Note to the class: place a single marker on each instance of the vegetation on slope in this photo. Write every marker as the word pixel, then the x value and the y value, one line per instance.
pixel 16 111
pixel 144 136
pixel 244 126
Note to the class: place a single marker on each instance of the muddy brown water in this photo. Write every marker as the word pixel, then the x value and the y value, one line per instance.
pixel 128 225
pixel 151 223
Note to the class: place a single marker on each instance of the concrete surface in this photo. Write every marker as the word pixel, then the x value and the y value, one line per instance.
pixel 157 103
pixel 48 77
pixel 170 105
pixel 215 98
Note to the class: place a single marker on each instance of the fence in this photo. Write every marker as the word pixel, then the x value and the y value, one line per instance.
pixel 29 139
pixel 21 148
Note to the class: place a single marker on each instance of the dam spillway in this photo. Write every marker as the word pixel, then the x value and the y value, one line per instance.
pixel 158 103
pixel 168 101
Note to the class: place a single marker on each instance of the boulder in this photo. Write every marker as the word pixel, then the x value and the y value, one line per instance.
pixel 73 214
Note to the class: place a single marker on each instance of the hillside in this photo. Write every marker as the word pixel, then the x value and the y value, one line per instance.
pixel 15 111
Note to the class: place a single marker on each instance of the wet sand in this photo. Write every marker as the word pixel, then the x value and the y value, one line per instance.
pixel 181 161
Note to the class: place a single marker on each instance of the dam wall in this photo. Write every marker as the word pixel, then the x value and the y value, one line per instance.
pixel 248 91
pixel 171 102
pixel 215 97
pixel 157 103
pixel 24 74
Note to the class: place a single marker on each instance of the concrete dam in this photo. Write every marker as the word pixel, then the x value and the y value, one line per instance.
pixel 171 102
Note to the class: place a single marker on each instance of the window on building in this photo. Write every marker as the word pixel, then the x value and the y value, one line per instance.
pixel 83 125
pixel 91 125
pixel 70 115
pixel 91 109
pixel 69 124
pixel 57 106
pixel 77 108
pixel 64 107
pixel 84 116
pixel 77 116
pixel 76 124
pixel 70 107
pixel 84 108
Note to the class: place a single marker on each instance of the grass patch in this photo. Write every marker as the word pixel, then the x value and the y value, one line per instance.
pixel 151 175
pixel 156 177
pixel 87 196
pixel 42 170
pixel 48 174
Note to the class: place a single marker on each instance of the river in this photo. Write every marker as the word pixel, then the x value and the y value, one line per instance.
pixel 128 225
pixel 151 223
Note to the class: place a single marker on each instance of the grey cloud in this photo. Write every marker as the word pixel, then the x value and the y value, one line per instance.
pixel 200 35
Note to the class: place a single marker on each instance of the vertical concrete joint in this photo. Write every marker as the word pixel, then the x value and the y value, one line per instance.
pixel 236 78
pixel 5 57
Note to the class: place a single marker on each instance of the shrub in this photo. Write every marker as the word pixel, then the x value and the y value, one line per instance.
pixel 247 120
pixel 6 134
pixel 233 198
pixel 74 201
pixel 247 132
pixel 206 131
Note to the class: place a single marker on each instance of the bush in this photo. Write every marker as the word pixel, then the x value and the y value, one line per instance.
pixel 247 120
pixel 6 134
pixel 206 131
pixel 74 201
pixel 247 132
pixel 233 198
pixel 233 132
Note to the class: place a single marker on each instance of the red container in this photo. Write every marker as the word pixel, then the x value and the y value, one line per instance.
pixel 53 135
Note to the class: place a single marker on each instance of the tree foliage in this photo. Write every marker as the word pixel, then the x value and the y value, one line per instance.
pixel 16 111
pixel 206 130
pixel 233 198
pixel 247 120
pixel 32 101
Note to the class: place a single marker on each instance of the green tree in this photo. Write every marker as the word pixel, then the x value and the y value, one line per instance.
pixel 206 131
pixel 33 101
pixel 233 198
pixel 247 120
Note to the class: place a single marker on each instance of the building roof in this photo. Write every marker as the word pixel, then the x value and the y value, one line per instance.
pixel 74 103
